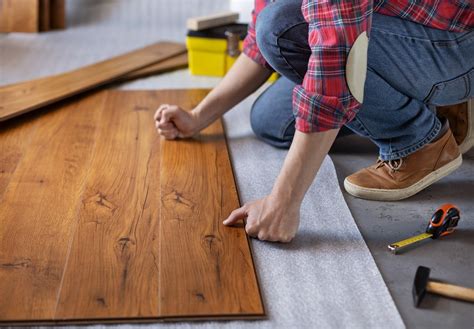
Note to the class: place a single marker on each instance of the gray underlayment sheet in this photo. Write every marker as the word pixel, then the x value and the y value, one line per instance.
pixel 326 278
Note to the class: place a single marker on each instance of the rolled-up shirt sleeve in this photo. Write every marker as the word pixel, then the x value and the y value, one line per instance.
pixel 323 101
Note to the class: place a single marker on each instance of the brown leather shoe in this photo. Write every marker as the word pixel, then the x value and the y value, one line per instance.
pixel 461 121
pixel 399 179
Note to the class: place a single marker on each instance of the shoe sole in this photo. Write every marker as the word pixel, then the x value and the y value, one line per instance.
pixel 468 142
pixel 400 194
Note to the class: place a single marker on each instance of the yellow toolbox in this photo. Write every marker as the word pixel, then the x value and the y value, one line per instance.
pixel 213 51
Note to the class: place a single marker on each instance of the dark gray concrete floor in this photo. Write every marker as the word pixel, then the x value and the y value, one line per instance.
pixel 381 223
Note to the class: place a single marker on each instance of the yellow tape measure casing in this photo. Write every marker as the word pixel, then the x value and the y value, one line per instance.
pixel 414 239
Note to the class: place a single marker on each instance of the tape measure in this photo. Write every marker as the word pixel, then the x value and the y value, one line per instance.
pixel 442 223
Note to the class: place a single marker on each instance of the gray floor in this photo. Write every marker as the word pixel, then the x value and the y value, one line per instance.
pixel 451 259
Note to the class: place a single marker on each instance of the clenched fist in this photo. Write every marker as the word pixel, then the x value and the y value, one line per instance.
pixel 173 122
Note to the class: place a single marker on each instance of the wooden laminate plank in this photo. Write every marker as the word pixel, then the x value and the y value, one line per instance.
pixel 44 15
pixel 57 14
pixel 19 16
pixel 112 271
pixel 14 140
pixel 206 22
pixel 38 210
pixel 103 222
pixel 170 64
pixel 206 268
pixel 20 98
pixel 173 63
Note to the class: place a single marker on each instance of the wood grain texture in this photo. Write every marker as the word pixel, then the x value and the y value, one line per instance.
pixel 114 256
pixel 19 16
pixel 24 97
pixel 57 14
pixel 198 193
pixel 38 210
pixel 14 141
pixel 173 63
pixel 170 64
pixel 100 221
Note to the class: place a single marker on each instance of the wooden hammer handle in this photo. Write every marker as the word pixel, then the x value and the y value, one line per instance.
pixel 450 290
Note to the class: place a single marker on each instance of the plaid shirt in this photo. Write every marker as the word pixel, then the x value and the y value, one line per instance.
pixel 324 101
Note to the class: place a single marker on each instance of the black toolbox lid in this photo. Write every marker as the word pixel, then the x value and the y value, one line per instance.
pixel 219 31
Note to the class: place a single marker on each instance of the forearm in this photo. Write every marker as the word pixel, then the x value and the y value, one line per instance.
pixel 243 78
pixel 302 163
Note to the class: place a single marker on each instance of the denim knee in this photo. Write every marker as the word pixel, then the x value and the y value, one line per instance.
pixel 265 32
pixel 282 37
pixel 273 21
pixel 258 126
pixel 266 127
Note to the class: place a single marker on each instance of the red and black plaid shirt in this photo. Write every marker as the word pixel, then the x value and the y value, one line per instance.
pixel 324 101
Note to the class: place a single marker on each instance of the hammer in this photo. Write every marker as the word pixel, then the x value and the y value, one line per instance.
pixel 422 285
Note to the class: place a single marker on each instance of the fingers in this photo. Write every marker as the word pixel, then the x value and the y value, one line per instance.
pixel 285 239
pixel 264 225
pixel 165 126
pixel 236 215
pixel 167 130
pixel 165 113
pixel 251 229
pixel 160 109
pixel 262 235
pixel 168 113
pixel 163 121
pixel 169 134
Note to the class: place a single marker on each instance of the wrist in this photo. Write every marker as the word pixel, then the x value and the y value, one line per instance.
pixel 200 117
pixel 286 195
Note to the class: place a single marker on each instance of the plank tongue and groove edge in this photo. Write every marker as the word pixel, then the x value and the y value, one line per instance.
pixel 206 268
pixel 24 97
pixel 100 221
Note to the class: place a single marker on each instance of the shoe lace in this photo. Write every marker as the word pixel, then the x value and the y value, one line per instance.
pixel 393 165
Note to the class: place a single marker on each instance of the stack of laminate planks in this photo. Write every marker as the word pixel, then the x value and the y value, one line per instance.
pixel 32 15
pixel 100 221
pixel 26 96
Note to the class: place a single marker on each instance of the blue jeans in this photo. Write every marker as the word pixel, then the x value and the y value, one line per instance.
pixel 411 68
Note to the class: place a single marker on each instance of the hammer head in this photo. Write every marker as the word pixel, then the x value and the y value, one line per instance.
pixel 419 284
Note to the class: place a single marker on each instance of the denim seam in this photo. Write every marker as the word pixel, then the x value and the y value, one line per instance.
pixel 374 29
pixel 391 155
pixel 285 127
pixel 468 86
pixel 278 36
pixel 439 86
pixel 465 38
pixel 362 127
pixel 257 99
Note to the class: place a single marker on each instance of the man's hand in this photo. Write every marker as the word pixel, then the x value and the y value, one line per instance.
pixel 243 78
pixel 276 217
pixel 268 219
pixel 172 122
